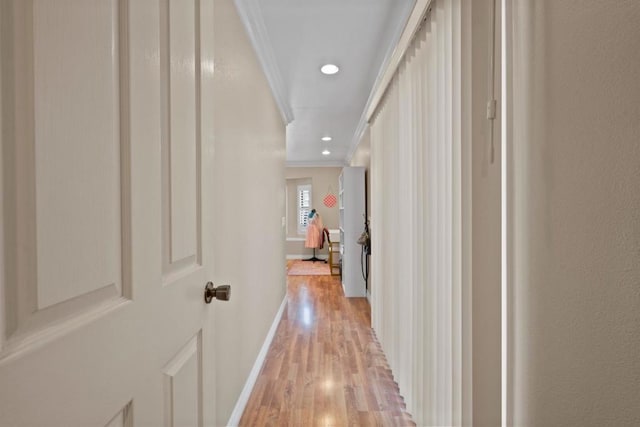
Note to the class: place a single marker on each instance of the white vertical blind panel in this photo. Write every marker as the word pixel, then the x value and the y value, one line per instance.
pixel 392 208
pixel 430 235
pixel 458 193
pixel 420 229
pixel 416 293
pixel 447 283
pixel 402 254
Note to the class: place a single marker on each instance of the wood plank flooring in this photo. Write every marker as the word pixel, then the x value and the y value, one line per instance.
pixel 325 366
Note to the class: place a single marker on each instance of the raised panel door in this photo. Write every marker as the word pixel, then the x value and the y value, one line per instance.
pixel 104 252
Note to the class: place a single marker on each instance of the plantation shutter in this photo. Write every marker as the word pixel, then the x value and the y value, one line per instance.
pixel 304 207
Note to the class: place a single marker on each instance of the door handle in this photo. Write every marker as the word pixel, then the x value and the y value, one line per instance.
pixel 222 292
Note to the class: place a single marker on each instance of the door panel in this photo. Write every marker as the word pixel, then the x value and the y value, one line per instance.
pixel 102 318
pixel 66 250
pixel 78 244
pixel 182 386
pixel 182 121
pixel 181 136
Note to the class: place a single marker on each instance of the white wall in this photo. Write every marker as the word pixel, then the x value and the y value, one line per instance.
pixel 362 157
pixel 574 213
pixel 250 190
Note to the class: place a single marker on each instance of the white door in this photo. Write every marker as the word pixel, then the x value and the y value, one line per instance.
pixel 106 141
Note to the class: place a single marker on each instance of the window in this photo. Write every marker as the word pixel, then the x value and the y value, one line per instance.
pixel 304 207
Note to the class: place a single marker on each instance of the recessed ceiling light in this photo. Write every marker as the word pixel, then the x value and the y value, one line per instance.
pixel 326 138
pixel 326 152
pixel 329 69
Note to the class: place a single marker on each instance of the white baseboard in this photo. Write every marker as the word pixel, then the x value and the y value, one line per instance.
pixel 319 256
pixel 241 403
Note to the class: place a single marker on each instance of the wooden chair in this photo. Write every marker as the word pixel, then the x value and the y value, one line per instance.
pixel 334 259
pixel 334 254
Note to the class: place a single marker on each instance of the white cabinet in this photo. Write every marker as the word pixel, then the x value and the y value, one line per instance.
pixel 352 215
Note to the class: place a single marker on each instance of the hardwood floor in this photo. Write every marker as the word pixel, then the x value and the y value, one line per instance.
pixel 325 366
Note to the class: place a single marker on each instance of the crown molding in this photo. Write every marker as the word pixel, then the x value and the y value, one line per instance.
pixel 251 17
pixel 357 137
pixel 413 23
pixel 402 37
pixel 315 164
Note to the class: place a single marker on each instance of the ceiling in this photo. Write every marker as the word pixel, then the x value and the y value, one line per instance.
pixel 294 38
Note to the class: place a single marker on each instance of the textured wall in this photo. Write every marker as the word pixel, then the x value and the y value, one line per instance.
pixel 250 187
pixel 575 213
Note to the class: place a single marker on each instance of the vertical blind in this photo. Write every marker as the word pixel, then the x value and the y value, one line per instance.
pixel 417 293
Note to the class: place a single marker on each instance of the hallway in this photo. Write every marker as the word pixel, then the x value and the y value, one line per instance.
pixel 325 366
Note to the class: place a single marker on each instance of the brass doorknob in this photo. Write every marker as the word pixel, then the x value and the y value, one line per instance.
pixel 222 293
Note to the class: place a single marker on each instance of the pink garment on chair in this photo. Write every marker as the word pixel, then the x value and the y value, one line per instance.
pixel 314 233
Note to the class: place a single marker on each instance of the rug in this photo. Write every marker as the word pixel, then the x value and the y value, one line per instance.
pixel 308 268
